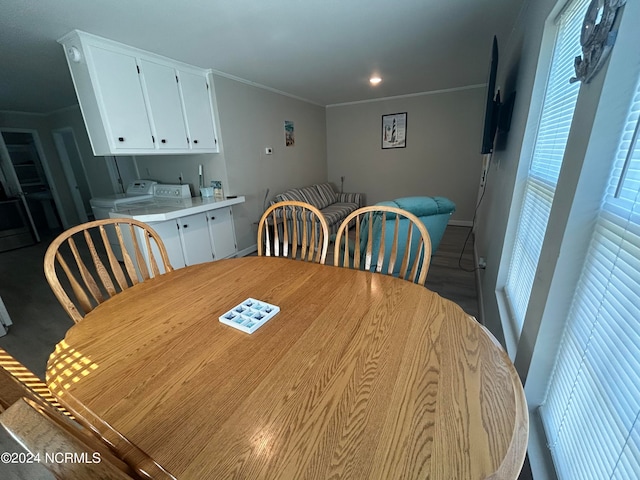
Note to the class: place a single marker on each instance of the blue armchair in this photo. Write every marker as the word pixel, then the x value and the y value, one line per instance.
pixel 433 212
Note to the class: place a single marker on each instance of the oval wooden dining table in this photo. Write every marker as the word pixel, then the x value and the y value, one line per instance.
pixel 359 376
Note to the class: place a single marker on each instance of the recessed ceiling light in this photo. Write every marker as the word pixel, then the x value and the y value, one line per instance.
pixel 375 80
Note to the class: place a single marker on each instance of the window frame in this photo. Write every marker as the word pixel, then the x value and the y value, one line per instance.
pixel 551 30
pixel 601 108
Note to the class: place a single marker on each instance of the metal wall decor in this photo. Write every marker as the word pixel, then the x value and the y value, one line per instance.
pixel 596 38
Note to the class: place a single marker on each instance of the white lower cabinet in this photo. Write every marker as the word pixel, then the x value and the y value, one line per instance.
pixel 194 234
pixel 198 238
pixel 221 232
pixel 168 232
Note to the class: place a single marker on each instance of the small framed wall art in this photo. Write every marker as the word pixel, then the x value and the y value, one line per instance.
pixel 394 130
pixel 289 136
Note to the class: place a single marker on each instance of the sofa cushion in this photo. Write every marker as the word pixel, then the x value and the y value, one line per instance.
pixel 311 195
pixel 336 212
pixel 293 194
pixel 350 198
pixel 327 195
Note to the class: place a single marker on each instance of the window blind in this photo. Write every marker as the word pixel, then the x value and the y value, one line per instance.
pixel 592 407
pixel 558 106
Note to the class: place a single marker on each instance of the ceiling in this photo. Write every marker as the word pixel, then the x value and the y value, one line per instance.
pixel 322 51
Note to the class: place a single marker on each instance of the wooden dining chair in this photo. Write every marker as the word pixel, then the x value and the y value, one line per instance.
pixel 52 437
pixel 287 225
pixel 70 365
pixel 17 381
pixel 385 240
pixel 92 270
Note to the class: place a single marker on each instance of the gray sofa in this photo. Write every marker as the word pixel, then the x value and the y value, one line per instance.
pixel 334 206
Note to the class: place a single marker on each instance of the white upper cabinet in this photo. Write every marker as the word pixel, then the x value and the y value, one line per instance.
pixel 138 103
pixel 161 84
pixel 122 99
pixel 195 95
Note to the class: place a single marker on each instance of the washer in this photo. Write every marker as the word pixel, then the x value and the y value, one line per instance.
pixel 137 191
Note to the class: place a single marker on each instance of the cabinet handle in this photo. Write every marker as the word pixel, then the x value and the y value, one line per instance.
pixel 213 218
pixel 121 139
pixel 185 226
pixel 195 141
pixel 163 140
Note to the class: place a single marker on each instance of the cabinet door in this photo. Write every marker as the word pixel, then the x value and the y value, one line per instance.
pixel 198 113
pixel 194 233
pixel 121 100
pixel 161 84
pixel 170 236
pixel 223 238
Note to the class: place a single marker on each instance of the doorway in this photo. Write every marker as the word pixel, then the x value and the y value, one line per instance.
pixel 25 176
pixel 74 171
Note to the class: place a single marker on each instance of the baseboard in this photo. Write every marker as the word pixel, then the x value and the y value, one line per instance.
pixel 247 251
pixel 540 460
pixel 461 223
pixel 478 285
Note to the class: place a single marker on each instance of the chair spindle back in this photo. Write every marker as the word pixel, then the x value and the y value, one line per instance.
pixel 293 229
pixel 414 264
pixel 92 270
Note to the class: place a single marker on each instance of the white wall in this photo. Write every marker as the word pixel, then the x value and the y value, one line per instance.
pixel 252 119
pixel 525 60
pixel 442 156
pixel 517 69
pixel 249 118
pixel 169 169
pixel 602 107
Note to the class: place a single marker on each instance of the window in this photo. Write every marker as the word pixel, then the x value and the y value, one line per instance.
pixel 591 414
pixel 553 130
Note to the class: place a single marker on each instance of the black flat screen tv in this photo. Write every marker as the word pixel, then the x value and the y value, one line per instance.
pixel 492 104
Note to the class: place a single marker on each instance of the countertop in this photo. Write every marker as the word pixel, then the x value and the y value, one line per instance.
pixel 170 209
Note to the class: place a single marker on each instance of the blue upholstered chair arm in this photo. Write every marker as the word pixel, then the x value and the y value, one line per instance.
pixel 433 212
pixel 423 206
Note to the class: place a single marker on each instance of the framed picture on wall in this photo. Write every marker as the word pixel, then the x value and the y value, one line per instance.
pixel 394 130
pixel 289 137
